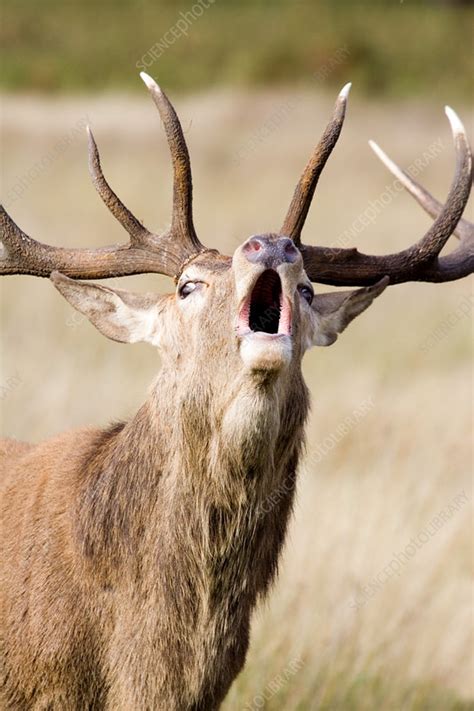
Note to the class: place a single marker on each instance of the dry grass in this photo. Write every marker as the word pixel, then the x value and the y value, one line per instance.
pixel 409 646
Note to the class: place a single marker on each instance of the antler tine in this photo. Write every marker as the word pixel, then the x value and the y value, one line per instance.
pixel 424 198
pixel 421 261
pixel 138 233
pixel 303 195
pixel 182 220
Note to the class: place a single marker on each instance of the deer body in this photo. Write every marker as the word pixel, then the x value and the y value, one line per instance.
pixel 153 541
pixel 133 556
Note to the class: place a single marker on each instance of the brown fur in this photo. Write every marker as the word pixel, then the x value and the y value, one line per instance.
pixel 135 555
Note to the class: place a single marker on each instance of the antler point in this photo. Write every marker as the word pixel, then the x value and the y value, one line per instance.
pixel 456 123
pixel 344 93
pixel 150 83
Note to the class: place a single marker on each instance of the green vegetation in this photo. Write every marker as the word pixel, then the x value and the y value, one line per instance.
pixel 389 47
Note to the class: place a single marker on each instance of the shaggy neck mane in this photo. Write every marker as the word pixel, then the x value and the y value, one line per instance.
pixel 196 475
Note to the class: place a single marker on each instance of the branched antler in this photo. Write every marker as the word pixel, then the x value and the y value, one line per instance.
pixel 461 260
pixel 145 252
pixel 421 261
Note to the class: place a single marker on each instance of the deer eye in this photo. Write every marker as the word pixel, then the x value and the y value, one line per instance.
pixel 306 292
pixel 187 288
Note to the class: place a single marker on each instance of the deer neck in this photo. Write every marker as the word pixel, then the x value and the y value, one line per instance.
pixel 194 479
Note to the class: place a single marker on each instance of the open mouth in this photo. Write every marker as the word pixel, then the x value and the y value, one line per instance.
pixel 266 310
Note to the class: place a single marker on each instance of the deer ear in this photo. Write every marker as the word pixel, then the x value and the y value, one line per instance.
pixel 120 315
pixel 334 311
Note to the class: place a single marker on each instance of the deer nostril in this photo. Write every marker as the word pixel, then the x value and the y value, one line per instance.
pixel 253 245
pixel 289 251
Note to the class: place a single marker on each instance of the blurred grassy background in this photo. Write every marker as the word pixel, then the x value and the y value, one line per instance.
pixel 393 47
pixel 410 646
pixel 262 77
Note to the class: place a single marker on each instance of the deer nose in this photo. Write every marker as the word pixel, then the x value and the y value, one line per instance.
pixel 270 251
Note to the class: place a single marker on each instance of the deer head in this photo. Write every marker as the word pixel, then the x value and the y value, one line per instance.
pixel 257 309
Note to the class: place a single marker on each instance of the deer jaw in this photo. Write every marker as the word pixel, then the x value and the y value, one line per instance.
pixel 267 316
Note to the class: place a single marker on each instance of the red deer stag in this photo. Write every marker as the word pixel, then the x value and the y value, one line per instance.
pixel 134 555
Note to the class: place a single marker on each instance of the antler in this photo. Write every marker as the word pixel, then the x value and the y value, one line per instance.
pixel 300 204
pixel 169 252
pixel 433 207
pixel 421 261
pixel 145 252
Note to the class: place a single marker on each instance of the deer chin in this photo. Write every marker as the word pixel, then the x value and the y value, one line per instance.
pixel 264 325
pixel 263 351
